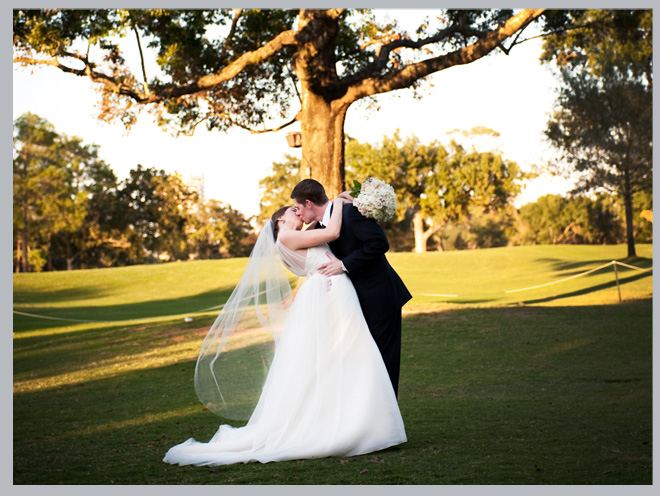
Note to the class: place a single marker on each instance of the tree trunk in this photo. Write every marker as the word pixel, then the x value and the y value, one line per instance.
pixel 322 128
pixel 50 255
pixel 418 229
pixel 19 255
pixel 627 201
pixel 24 231
pixel 323 111
pixel 422 236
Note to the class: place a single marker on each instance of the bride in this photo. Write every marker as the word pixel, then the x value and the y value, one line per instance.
pixel 326 392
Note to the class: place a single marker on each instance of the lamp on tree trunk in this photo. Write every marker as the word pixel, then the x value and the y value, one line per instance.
pixel 294 140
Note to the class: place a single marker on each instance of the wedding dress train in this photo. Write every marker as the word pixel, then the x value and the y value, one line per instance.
pixel 327 392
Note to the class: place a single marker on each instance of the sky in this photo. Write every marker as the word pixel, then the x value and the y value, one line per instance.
pixel 513 95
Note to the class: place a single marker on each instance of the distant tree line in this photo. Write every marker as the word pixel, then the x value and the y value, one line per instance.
pixel 450 198
pixel 71 211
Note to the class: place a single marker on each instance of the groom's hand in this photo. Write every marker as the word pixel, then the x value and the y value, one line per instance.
pixel 331 268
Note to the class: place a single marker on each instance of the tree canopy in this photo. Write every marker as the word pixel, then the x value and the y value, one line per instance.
pixel 604 118
pixel 259 69
pixel 436 184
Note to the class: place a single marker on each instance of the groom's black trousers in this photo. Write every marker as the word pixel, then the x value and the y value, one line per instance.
pixel 386 331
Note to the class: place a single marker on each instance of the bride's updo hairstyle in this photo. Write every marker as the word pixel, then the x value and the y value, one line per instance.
pixel 275 217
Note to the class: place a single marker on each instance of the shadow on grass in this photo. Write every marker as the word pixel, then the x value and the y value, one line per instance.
pixel 45 295
pixel 567 269
pixel 592 289
pixel 513 395
pixel 94 348
pixel 119 313
pixel 626 276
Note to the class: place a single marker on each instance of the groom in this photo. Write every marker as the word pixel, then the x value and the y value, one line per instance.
pixel 361 250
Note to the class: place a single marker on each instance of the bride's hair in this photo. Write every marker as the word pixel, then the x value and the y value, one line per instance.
pixel 275 217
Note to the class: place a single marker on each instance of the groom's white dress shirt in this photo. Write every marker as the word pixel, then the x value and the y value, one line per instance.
pixel 326 215
pixel 325 222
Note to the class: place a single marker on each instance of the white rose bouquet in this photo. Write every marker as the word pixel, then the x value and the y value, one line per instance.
pixel 374 199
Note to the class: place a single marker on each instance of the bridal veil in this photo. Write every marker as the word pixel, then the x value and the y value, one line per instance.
pixel 237 351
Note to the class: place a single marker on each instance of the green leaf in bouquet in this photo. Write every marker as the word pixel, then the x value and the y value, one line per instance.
pixel 357 186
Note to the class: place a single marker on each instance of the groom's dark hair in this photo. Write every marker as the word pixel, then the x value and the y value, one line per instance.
pixel 310 189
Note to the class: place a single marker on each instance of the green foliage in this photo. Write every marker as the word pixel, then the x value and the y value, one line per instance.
pixel 603 124
pixel 36 260
pixel 164 220
pixel 643 217
pixel 70 208
pixel 219 231
pixel 155 211
pixel 190 44
pixel 604 130
pixel 277 187
pixel 55 179
pixel 435 184
pixel 602 42
pixel 483 229
pixel 554 219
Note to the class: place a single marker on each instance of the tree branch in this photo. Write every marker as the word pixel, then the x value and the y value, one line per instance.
pixel 144 70
pixel 261 131
pixel 285 38
pixel 383 55
pixel 234 22
pixel 97 77
pixel 334 13
pixel 406 76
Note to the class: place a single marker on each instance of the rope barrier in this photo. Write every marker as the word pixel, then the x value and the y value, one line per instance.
pixel 36 316
pixel 631 266
pixel 53 318
pixel 613 262
pixel 561 280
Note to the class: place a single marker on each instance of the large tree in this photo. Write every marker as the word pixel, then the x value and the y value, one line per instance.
pixel 217 230
pixel 55 179
pixel 35 141
pixel 435 184
pixel 245 67
pixel 604 119
pixel 154 210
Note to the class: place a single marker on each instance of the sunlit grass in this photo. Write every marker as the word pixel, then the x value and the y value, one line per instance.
pixel 113 366
pixel 147 418
pixel 126 285
pixel 483 277
pixel 478 277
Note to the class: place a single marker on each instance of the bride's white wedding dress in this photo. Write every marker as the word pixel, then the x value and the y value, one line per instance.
pixel 327 392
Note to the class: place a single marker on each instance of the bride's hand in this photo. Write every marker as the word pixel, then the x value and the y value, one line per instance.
pixel 345 197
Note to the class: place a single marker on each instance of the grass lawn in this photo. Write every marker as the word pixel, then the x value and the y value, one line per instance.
pixel 543 386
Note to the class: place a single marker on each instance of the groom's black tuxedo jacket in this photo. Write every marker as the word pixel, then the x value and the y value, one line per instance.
pixel 361 246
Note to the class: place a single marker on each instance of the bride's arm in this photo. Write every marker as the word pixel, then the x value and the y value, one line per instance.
pixel 297 240
pixel 346 195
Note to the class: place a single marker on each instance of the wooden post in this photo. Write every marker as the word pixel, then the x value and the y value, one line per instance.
pixel 616 276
